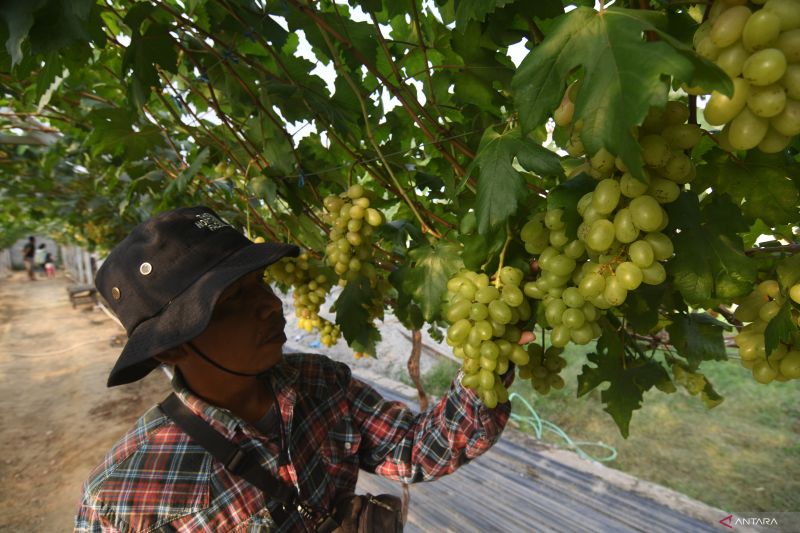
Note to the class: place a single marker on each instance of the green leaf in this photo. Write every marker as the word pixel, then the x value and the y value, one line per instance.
pixel 500 185
pixel 780 328
pixel 19 19
pixel 309 233
pixel 711 266
pixel 764 186
pixel 536 158
pixel 467 10
pixel 426 282
pixel 155 47
pixel 477 247
pixel 623 76
pixel 116 132
pixel 353 317
pixel 697 337
pixel 789 271
pixel 566 195
pixel 406 311
pixel 628 378
pixel 178 185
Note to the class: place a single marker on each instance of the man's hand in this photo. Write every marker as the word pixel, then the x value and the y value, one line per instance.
pixel 526 337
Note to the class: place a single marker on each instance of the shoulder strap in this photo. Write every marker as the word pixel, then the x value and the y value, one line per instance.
pixel 236 460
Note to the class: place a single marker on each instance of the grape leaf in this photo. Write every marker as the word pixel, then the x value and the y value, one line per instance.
pixel 426 282
pixel 116 132
pixel 500 185
pixel 467 10
pixel 780 328
pixel 628 379
pixel 406 311
pixel 477 247
pixel 155 47
pixel 178 185
pixel 697 337
pixel 711 266
pixel 789 271
pixel 19 19
pixel 353 317
pixel 566 195
pixel 774 196
pixel 623 75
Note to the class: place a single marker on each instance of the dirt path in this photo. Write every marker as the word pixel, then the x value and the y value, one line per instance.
pixel 57 416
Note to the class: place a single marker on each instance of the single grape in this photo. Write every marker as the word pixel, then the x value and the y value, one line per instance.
pixel 764 67
pixel 728 27
pixel 606 196
pixel 721 109
pixel 731 59
pixel 647 214
pixel 760 30
pixel 787 122
pixel 601 234
pixel 747 130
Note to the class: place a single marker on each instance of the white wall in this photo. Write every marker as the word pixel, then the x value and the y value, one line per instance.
pixel 16 250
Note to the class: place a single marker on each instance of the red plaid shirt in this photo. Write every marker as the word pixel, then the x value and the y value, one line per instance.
pixel 157 478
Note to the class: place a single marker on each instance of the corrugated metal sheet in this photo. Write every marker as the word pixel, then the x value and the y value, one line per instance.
pixel 513 488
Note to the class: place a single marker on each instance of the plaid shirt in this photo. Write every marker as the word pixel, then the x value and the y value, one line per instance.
pixel 157 479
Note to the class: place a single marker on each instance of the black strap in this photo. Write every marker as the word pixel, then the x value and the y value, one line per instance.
pixel 236 460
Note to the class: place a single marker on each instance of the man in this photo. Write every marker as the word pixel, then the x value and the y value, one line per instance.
pixel 190 291
pixel 28 252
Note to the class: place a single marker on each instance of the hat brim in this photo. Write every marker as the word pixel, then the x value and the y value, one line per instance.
pixel 189 313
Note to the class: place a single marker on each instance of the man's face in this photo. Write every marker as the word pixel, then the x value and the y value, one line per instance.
pixel 245 333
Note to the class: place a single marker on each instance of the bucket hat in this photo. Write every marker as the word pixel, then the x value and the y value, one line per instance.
pixel 165 277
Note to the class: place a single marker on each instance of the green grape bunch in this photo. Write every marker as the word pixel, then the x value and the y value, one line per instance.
pixel 484 330
pixel 620 242
pixel 543 368
pixel 353 223
pixel 757 309
pixel 311 285
pixel 760 50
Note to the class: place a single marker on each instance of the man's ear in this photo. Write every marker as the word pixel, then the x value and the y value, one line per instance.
pixel 173 356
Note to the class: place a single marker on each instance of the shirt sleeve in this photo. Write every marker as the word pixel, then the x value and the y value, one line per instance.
pixel 400 444
pixel 89 521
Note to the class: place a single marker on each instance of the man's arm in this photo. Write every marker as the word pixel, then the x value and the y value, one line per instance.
pixel 399 444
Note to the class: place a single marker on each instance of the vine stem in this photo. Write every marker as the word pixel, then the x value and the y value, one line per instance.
pixel 497 282
pixel 786 248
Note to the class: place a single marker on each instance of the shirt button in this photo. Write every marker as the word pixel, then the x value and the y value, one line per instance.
pixel 347 445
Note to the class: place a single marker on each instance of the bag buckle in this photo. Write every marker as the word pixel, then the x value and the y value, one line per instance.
pixel 235 461
pixel 376 501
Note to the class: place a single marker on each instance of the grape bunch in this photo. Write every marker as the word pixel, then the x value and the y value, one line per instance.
pixel 758 308
pixel 619 243
pixel 760 51
pixel 484 328
pixel 543 368
pixel 310 286
pixel 353 222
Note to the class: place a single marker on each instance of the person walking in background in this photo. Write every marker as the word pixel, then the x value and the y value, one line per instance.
pixel 28 252
pixel 39 257
pixel 50 266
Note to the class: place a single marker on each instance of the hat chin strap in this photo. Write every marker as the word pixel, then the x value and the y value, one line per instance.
pixel 228 370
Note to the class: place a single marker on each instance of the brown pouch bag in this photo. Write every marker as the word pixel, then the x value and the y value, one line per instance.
pixel 365 513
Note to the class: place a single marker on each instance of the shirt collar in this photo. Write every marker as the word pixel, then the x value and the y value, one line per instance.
pixel 282 377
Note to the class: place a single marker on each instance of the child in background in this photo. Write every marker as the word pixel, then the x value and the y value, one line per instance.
pixel 50 266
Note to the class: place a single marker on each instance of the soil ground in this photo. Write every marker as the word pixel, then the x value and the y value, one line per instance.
pixel 58 419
